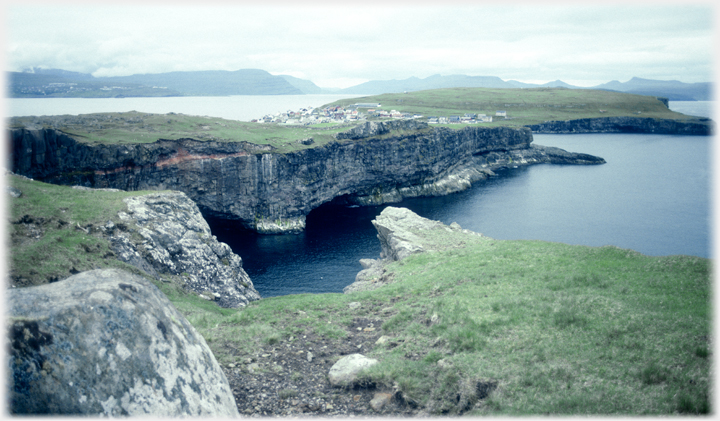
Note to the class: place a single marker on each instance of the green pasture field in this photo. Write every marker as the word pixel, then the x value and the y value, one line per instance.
pixel 523 106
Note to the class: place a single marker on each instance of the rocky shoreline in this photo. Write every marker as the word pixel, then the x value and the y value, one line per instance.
pixel 691 127
pixel 303 375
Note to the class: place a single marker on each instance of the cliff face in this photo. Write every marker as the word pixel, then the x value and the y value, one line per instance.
pixel 699 126
pixel 373 163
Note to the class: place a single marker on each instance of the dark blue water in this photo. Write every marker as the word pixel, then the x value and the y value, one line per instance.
pixel 653 196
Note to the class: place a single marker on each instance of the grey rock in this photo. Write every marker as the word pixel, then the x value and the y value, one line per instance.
pixel 382 340
pixel 345 371
pixel 177 240
pixel 369 278
pixel 398 232
pixel 107 342
pixel 403 233
pixel 13 192
pixel 368 263
pixel 380 400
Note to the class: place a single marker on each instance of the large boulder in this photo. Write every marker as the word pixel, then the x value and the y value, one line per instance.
pixel 107 342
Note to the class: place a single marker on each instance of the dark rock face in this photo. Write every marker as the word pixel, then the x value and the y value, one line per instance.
pixel 106 342
pixel 699 126
pixel 272 192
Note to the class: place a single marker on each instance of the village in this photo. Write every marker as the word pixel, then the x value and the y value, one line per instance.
pixel 338 114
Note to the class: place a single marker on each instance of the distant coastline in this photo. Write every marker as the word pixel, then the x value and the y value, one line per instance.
pixel 57 83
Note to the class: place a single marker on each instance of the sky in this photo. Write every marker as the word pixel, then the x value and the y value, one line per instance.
pixel 584 44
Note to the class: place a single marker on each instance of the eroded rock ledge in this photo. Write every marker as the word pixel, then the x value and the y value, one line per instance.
pixel 403 233
pixel 269 192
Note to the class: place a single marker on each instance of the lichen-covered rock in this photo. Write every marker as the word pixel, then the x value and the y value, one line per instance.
pixel 346 369
pixel 177 240
pixel 106 342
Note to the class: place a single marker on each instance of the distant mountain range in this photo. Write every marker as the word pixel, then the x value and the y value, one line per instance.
pixel 671 89
pixel 44 83
pixel 62 83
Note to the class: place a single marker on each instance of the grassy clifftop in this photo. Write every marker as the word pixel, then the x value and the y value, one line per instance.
pixel 136 127
pixel 523 106
pixel 475 326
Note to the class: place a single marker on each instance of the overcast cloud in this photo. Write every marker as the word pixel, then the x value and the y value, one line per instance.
pixel 341 46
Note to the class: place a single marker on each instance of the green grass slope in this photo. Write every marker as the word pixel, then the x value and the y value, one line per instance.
pixel 136 127
pixel 541 328
pixel 523 106
pixel 53 230
pixel 481 327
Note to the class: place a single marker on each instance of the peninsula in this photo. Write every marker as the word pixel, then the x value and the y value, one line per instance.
pixel 269 177
pixel 544 110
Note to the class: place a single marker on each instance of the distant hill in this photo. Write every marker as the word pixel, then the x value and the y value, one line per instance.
pixel 44 83
pixel 376 87
pixel 215 82
pixel 56 83
pixel 305 86
pixel 671 89
pixel 553 84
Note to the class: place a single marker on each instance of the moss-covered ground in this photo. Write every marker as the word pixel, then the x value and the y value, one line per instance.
pixel 484 327
pixel 53 231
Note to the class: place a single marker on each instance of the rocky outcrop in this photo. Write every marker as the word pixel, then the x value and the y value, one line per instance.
pixel 172 237
pixel 273 192
pixel 697 126
pixel 403 233
pixel 109 343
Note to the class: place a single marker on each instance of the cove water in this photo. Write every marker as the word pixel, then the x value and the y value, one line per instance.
pixel 652 196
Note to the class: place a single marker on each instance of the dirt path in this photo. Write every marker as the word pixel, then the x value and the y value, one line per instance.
pixel 289 378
